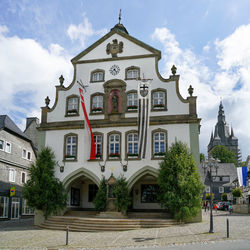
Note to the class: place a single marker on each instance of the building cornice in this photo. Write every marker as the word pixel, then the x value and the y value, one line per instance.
pixel 126 122
pixel 11 163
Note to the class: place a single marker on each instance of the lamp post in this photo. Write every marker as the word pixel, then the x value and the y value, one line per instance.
pixel 210 166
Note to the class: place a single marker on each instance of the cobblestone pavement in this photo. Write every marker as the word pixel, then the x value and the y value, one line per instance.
pixel 23 235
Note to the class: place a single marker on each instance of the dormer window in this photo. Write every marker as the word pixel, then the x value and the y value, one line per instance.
pixel 97 76
pixel 132 73
pixel 72 105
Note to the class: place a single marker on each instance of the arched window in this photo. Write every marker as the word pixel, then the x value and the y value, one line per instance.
pixel 97 75
pixel 159 140
pixel 132 73
pixel 72 105
pixel 70 147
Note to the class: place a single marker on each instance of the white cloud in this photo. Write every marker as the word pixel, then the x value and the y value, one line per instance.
pixel 231 81
pixel 28 73
pixel 82 31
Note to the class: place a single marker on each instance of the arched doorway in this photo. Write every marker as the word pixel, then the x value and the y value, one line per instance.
pixel 82 186
pixel 144 189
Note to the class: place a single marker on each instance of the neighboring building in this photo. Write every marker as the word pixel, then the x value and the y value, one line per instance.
pixel 118 100
pixel 223 181
pixel 16 155
pixel 31 130
pixel 222 136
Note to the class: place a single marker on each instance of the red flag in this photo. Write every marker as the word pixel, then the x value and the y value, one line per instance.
pixel 92 149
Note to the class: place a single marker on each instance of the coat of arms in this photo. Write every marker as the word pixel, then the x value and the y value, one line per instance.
pixel 143 89
pixel 114 48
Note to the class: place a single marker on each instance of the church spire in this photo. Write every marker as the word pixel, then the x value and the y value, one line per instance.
pixel 232 132
pixel 221 115
pixel 212 136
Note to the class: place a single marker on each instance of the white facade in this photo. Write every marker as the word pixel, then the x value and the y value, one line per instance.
pixel 177 119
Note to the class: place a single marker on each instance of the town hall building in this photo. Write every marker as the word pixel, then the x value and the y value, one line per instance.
pixel 117 117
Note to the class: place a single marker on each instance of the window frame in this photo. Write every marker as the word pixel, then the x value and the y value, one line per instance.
pixel 153 107
pixel 75 112
pixel 5 206
pixel 221 189
pixel 95 112
pixel 127 157
pixel 109 157
pixel 25 177
pixel 208 189
pixel 7 143
pixel 14 175
pixel 159 130
pixel 69 157
pixel 132 68
pixel 132 109
pixel 24 156
pixel 99 134
pixel 3 144
pixel 94 72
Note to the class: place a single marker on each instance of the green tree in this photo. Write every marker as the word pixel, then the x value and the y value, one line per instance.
pixel 100 200
pixel 123 200
pixel 180 187
pixel 43 191
pixel 224 197
pixel 223 154
pixel 202 157
pixel 237 192
pixel 208 196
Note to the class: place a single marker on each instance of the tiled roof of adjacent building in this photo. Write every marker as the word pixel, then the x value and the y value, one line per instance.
pixel 7 124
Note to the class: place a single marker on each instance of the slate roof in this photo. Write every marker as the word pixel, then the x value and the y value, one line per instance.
pixel 228 169
pixel 7 124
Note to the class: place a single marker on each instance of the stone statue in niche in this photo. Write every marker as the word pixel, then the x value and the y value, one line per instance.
pixel 115 102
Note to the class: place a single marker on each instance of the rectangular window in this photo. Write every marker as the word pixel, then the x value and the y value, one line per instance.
pixel 114 145
pixel 23 177
pixel 226 178
pixel 97 103
pixel 4 205
pixel 132 101
pixel 132 74
pixel 132 149
pixel 207 189
pixel 24 153
pixel 159 144
pixel 26 210
pixel 93 189
pixel 98 145
pixel 1 145
pixel 158 100
pixel 149 193
pixel 12 175
pixel 29 155
pixel 97 77
pixel 8 147
pixel 71 147
pixel 72 105
pixel 221 190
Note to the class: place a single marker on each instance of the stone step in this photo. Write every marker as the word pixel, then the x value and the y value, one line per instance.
pixel 101 224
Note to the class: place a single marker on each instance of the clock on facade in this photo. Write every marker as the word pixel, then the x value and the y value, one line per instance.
pixel 114 70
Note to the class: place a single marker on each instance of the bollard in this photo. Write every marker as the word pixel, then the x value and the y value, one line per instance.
pixel 67 235
pixel 227 228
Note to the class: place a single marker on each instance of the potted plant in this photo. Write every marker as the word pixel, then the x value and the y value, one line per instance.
pixel 114 155
pixel 97 109
pixel 159 154
pixel 160 105
pixel 130 155
pixel 132 107
pixel 70 157
pixel 72 111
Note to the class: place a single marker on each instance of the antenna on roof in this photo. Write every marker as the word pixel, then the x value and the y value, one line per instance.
pixel 120 16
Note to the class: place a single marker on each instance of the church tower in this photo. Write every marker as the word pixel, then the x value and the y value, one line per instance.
pixel 222 134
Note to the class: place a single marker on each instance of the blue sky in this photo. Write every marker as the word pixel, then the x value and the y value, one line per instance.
pixel 208 41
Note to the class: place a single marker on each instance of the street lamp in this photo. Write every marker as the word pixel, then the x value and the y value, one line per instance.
pixel 210 166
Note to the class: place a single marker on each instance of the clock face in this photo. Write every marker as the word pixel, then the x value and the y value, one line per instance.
pixel 114 70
